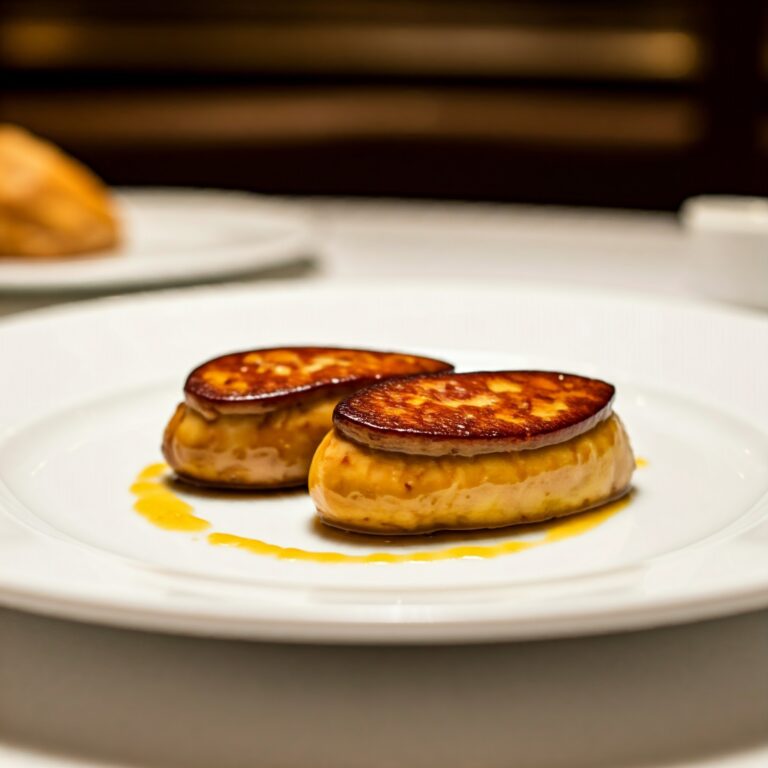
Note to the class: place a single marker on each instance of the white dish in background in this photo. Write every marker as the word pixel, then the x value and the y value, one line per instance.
pixel 100 381
pixel 174 237
pixel 729 235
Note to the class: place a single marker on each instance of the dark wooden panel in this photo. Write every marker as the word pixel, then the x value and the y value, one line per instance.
pixel 603 102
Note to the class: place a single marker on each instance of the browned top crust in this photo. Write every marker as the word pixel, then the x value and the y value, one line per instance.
pixel 264 379
pixel 472 413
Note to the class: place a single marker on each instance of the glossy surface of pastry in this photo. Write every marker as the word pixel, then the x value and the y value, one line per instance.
pixel 50 205
pixel 417 455
pixel 254 419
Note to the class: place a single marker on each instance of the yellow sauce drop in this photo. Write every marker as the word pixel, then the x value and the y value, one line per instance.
pixel 640 462
pixel 163 508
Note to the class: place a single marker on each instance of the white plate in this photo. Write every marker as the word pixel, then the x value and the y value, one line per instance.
pixel 94 385
pixel 174 237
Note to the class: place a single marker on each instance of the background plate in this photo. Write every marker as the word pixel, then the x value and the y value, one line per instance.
pixel 173 237
pixel 100 381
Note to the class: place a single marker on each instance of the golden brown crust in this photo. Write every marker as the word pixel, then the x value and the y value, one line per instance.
pixel 50 204
pixel 474 413
pixel 266 450
pixel 261 380
pixel 388 492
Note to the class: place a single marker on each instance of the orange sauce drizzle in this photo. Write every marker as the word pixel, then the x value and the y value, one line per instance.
pixel 554 530
pixel 640 462
pixel 161 507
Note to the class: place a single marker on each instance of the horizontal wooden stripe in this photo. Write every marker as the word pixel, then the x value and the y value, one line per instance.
pixel 294 115
pixel 417 49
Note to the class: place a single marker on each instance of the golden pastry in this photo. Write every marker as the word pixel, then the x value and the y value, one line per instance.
pixel 470 450
pixel 254 419
pixel 50 205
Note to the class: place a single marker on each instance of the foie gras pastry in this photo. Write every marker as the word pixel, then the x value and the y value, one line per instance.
pixel 50 205
pixel 254 419
pixel 470 450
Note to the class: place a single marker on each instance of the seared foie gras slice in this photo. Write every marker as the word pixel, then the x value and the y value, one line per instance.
pixel 472 413
pixel 254 419
pixel 475 450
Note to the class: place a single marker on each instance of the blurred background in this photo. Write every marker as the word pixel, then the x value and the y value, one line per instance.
pixel 627 103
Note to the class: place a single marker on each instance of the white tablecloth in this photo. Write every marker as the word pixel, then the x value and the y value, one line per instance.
pixel 73 694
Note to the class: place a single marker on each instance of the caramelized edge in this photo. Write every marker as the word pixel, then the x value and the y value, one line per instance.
pixel 422 442
pixel 253 403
